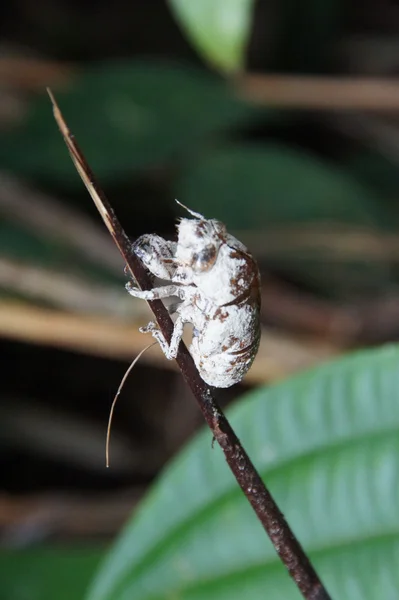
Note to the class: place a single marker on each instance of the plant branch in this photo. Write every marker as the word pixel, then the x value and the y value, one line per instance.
pixel 29 73
pixel 284 541
pixel 319 93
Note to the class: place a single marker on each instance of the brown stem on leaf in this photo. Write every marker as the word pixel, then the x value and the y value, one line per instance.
pixel 273 521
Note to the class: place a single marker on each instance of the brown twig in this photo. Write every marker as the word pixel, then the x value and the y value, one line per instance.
pixel 47 216
pixel 326 241
pixel 70 291
pixel 284 541
pixel 64 517
pixel 320 93
pixel 288 307
pixel 31 73
pixel 279 354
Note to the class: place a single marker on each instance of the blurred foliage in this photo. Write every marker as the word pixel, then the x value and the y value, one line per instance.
pixel 47 573
pixel 133 116
pixel 26 246
pixel 271 187
pixel 127 115
pixel 379 173
pixel 327 441
pixel 218 29
pixel 260 186
pixel 327 444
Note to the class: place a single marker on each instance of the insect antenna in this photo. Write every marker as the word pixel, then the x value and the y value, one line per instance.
pixel 194 214
pixel 111 412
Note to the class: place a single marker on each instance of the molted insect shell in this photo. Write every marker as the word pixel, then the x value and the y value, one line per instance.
pixel 218 283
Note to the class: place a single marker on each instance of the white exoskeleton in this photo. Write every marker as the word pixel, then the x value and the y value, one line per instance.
pixel 217 281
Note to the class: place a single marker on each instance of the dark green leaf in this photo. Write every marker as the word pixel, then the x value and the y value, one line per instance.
pixel 327 444
pixel 126 116
pixel 379 172
pixel 218 29
pixel 273 188
pixel 47 574
pixel 255 187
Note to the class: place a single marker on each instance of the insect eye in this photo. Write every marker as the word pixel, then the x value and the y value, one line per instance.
pixel 204 260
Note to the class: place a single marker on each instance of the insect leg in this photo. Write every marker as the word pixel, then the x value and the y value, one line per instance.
pixel 156 293
pixel 156 254
pixel 170 350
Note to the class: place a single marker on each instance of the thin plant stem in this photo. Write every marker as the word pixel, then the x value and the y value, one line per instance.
pixel 287 546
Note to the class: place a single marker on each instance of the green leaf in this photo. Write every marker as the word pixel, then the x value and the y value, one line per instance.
pixel 250 186
pixel 219 29
pixel 380 173
pixel 327 445
pixel 126 116
pixel 273 188
pixel 47 573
